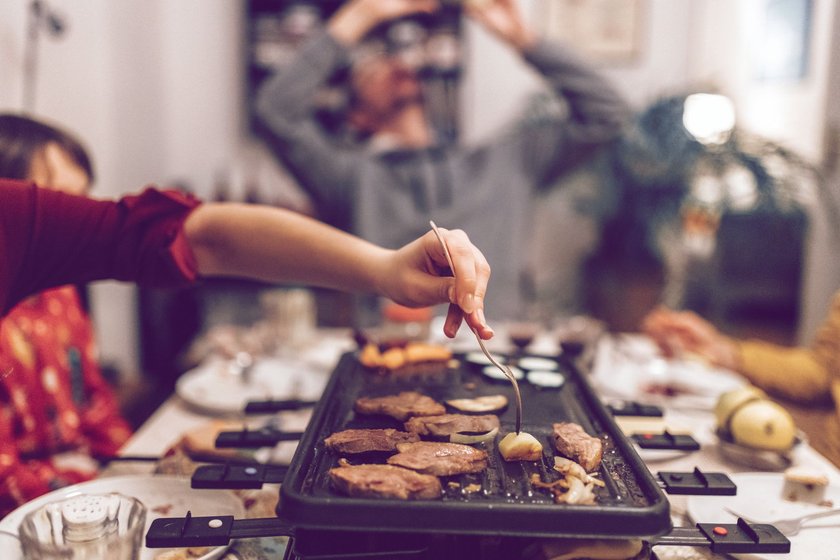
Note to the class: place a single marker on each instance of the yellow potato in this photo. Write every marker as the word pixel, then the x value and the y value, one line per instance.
pixel 763 424
pixel 520 447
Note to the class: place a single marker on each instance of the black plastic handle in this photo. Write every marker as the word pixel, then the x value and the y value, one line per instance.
pixel 250 439
pixel 666 440
pixel 237 476
pixel 697 483
pixel 189 531
pixel 269 406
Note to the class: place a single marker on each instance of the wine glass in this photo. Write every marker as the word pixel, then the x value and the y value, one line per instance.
pixel 575 334
pixel 521 334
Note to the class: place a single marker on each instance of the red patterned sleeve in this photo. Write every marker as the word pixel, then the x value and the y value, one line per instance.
pixel 48 238
pixel 22 481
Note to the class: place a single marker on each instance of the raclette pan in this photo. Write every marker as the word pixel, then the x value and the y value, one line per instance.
pixel 631 505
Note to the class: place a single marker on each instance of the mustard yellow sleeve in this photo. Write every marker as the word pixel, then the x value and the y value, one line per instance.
pixel 793 373
pixel 801 373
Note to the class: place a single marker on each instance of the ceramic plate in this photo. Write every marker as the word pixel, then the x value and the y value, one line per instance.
pixel 631 368
pixel 163 496
pixel 760 498
pixel 213 389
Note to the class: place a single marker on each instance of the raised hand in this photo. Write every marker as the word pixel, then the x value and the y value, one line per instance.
pixel 356 18
pixel 684 331
pixel 504 19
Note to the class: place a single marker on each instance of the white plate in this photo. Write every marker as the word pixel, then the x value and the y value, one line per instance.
pixel 760 498
pixel 163 496
pixel 211 388
pixel 629 367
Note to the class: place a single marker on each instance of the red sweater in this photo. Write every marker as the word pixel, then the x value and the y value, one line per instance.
pixel 52 396
pixel 48 239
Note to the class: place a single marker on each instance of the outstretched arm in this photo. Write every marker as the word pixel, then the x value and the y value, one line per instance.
pixel 275 245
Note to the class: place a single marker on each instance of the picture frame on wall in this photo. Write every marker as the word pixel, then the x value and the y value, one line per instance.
pixel 606 31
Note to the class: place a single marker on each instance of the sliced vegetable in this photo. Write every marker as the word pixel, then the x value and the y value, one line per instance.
pixel 470 438
pixel 488 403
pixel 479 359
pixel 535 363
pixel 543 378
pixel 495 373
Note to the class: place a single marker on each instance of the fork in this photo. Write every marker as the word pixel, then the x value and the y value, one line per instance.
pixel 504 369
pixel 791 526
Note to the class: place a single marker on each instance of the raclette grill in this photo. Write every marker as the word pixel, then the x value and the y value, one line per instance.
pixel 498 521
pixel 631 504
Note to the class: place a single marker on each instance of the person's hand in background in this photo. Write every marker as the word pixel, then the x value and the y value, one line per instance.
pixel 680 332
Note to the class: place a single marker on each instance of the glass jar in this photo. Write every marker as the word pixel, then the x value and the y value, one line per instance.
pixel 85 527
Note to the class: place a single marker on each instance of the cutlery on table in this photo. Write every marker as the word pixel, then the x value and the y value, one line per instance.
pixel 790 526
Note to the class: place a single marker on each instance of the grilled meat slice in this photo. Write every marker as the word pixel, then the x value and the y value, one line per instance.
pixel 440 459
pixel 574 443
pixel 448 424
pixel 401 406
pixel 362 441
pixel 384 481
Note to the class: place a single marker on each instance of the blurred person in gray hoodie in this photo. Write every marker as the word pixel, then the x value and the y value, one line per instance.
pixel 388 189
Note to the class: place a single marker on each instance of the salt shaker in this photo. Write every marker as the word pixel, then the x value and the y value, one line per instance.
pixel 85 527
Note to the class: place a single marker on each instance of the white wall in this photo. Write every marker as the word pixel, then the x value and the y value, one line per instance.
pixel 497 81
pixel 153 89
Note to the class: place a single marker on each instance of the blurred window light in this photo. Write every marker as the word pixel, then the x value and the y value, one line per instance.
pixel 742 186
pixel 709 117
pixel 708 189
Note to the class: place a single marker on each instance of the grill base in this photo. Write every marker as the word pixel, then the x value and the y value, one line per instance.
pixel 344 545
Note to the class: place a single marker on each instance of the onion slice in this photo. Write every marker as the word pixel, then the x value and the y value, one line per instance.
pixel 470 438
pixel 547 379
pixel 488 403
pixel 495 373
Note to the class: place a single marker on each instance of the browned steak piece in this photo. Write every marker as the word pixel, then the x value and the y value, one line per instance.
pixel 362 441
pixel 448 424
pixel 400 406
pixel 440 459
pixel 575 444
pixel 384 481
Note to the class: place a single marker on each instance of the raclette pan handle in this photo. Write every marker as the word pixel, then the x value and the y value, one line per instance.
pixel 270 405
pixel 219 530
